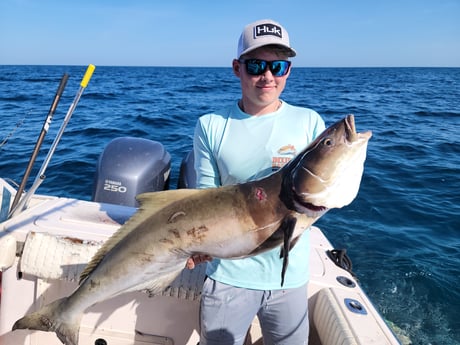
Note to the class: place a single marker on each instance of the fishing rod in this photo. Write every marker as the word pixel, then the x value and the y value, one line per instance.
pixel 40 139
pixel 10 134
pixel 41 174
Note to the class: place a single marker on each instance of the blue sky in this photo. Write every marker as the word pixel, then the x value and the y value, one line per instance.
pixel 335 33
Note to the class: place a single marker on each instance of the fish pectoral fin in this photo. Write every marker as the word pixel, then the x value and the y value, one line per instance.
pixel 292 243
pixel 287 227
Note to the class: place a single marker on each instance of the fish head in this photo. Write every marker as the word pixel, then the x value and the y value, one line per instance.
pixel 327 174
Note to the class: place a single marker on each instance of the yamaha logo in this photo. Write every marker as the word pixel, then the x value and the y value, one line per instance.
pixel 268 29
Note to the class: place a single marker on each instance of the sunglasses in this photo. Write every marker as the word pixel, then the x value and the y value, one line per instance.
pixel 278 68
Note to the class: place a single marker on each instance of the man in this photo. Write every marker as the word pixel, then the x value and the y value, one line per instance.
pixel 246 141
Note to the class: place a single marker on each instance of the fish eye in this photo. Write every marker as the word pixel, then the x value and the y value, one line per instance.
pixel 328 142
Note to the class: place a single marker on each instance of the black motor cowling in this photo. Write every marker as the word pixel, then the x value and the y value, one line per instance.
pixel 130 166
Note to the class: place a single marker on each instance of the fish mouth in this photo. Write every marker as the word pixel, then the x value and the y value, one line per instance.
pixel 351 134
pixel 350 128
pixel 307 207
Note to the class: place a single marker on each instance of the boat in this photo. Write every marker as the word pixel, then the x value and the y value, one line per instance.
pixel 44 248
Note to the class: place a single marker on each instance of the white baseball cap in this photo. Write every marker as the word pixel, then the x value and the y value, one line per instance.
pixel 261 33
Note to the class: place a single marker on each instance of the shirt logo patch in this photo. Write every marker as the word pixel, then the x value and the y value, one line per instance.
pixel 285 154
pixel 287 150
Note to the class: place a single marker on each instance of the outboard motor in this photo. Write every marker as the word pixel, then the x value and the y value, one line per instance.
pixel 128 167
pixel 187 174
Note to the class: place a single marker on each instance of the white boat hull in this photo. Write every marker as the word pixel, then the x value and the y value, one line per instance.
pixel 42 273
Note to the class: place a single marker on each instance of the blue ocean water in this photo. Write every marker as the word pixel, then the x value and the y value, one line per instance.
pixel 402 231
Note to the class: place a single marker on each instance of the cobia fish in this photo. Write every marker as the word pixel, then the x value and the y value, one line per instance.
pixel 151 248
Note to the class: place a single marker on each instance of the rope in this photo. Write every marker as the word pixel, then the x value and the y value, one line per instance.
pixel 342 260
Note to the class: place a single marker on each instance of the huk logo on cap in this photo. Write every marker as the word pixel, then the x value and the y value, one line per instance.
pixel 268 29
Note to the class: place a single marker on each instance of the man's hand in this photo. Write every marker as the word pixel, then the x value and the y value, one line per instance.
pixel 196 259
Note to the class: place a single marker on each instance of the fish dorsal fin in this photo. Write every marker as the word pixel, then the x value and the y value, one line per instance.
pixel 154 201
pixel 150 203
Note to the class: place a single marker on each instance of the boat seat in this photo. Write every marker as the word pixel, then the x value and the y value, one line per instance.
pixel 330 322
pixel 52 254
pixel 343 316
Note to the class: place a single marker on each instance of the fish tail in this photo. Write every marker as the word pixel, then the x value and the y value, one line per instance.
pixel 50 319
